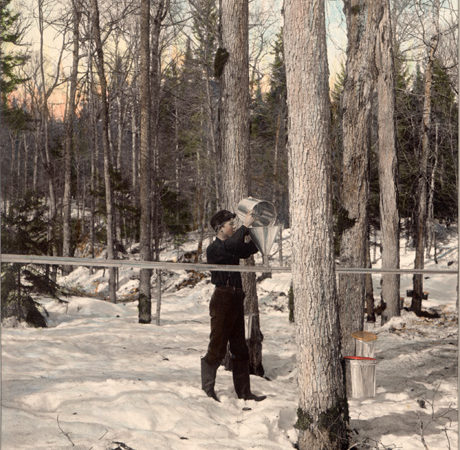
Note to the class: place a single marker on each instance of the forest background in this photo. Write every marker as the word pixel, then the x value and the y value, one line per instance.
pixel 53 114
pixel 109 138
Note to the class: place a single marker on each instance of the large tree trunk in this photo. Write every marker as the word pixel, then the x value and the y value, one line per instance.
pixel 145 302
pixel 421 212
pixel 105 147
pixel 357 102
pixel 69 135
pixel 234 139
pixel 388 163
pixel 323 410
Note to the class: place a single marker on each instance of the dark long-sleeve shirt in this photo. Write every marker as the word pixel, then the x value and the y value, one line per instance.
pixel 229 251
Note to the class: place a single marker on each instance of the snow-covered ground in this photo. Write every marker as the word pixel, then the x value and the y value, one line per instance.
pixel 96 379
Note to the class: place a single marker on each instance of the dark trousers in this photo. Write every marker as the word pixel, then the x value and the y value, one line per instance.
pixel 227 325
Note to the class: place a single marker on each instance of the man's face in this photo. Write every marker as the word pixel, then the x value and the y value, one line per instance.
pixel 228 228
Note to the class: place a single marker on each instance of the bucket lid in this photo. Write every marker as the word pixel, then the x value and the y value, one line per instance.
pixel 365 336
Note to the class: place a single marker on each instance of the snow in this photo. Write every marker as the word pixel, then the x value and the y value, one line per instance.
pixel 97 379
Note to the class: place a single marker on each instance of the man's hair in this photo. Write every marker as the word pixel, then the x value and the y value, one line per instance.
pixel 220 217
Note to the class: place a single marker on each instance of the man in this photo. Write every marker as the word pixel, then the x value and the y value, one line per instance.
pixel 227 306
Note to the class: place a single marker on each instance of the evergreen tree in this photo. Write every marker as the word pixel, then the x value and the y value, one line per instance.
pixel 445 118
pixel 24 231
pixel 268 137
pixel 24 227
pixel 409 104
pixel 11 35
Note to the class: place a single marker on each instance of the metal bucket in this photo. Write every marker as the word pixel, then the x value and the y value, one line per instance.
pixel 363 380
pixel 263 211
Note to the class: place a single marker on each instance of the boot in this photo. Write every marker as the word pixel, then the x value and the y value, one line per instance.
pixel 208 378
pixel 242 383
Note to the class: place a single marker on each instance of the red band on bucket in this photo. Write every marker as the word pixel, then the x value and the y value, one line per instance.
pixel 360 357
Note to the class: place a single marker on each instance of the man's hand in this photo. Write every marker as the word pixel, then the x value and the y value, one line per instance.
pixel 249 219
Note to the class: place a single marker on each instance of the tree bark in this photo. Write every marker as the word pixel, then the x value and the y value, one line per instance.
pixel 357 101
pixel 145 302
pixel 69 135
pixel 105 147
pixel 421 211
pixel 323 411
pixel 234 115
pixel 388 161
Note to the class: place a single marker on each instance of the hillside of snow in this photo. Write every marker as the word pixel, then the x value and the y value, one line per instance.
pixel 96 379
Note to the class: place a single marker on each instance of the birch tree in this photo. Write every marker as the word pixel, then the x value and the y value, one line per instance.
pixel 323 412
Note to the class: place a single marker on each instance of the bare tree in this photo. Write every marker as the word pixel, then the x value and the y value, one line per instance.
pixel 105 145
pixel 45 93
pixel 234 139
pixel 69 132
pixel 421 213
pixel 357 102
pixel 160 10
pixel 205 22
pixel 430 222
pixel 234 115
pixel 145 162
pixel 323 410
pixel 389 216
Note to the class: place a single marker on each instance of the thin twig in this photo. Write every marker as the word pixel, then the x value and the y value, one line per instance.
pixel 447 437
pixel 422 437
pixel 63 432
pixel 106 431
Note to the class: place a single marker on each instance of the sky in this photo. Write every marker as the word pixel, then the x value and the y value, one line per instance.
pixel 336 33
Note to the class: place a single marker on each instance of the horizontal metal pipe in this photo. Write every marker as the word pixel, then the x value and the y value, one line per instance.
pixel 61 260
